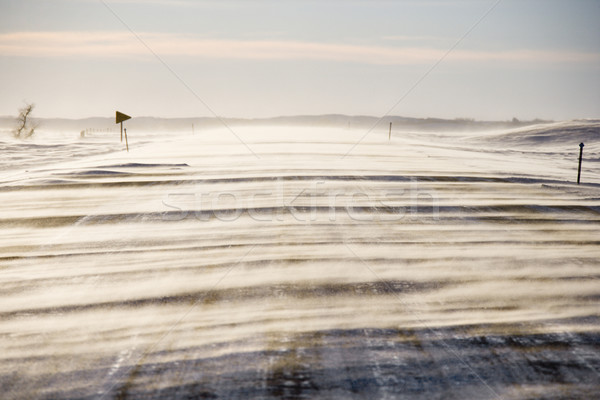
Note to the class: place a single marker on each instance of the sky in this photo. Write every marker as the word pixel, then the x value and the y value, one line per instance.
pixel 486 59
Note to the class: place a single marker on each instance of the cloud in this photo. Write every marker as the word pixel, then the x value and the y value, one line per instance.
pixel 415 38
pixel 125 44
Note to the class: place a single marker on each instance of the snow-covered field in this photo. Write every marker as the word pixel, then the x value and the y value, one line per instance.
pixel 288 262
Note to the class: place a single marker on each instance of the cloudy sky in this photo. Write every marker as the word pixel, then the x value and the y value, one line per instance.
pixel 487 59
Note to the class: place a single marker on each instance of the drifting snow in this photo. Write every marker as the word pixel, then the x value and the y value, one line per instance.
pixel 292 263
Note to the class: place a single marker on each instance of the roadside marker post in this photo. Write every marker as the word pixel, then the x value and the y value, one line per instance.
pixel 580 157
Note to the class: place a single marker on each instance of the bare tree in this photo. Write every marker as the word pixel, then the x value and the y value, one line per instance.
pixel 24 127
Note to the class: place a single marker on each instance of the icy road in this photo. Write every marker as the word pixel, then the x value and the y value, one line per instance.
pixel 292 263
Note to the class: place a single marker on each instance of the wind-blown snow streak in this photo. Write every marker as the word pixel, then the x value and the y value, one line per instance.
pixel 431 266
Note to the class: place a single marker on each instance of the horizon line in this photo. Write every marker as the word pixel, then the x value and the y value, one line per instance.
pixel 450 119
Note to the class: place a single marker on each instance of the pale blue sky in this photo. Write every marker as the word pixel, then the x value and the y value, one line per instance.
pixel 76 58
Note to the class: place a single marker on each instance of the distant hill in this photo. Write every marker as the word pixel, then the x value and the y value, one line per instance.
pixel 329 120
pixel 573 132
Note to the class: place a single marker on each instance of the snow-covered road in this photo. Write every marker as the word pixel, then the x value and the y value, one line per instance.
pixel 429 266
